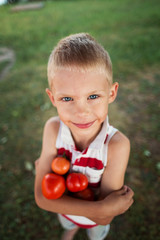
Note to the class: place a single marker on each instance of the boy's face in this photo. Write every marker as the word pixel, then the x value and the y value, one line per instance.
pixel 82 99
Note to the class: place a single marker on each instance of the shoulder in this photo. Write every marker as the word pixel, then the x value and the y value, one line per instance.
pixel 119 148
pixel 117 161
pixel 50 134
pixel 52 125
pixel 119 140
pixel 49 151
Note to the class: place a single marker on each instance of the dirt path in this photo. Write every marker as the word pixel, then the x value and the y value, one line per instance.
pixel 6 56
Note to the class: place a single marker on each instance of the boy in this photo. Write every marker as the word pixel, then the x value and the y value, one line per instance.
pixel 81 88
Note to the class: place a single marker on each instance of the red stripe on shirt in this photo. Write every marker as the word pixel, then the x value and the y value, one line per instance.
pixel 62 151
pixel 89 162
pixel 106 139
pixel 85 151
pixel 79 224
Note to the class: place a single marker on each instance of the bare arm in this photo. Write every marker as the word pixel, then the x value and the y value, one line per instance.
pixel 113 177
pixel 118 155
pixel 66 204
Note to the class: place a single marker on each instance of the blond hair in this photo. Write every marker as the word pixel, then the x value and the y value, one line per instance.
pixel 80 52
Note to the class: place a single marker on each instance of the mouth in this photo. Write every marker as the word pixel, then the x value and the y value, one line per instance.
pixel 84 125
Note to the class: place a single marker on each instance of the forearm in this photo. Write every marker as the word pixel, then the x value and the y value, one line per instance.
pixel 71 206
pixel 102 212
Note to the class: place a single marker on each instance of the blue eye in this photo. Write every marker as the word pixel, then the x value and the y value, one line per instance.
pixel 93 96
pixel 67 99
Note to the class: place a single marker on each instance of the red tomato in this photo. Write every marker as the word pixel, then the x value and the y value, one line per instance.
pixel 60 165
pixel 76 182
pixel 86 194
pixel 53 186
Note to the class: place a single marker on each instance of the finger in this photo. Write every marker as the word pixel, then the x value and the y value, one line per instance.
pixel 132 201
pixel 129 204
pixel 129 192
pixel 123 190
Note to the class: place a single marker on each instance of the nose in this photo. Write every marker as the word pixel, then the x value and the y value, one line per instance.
pixel 81 108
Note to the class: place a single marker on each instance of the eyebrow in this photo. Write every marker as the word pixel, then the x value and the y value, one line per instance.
pixel 61 94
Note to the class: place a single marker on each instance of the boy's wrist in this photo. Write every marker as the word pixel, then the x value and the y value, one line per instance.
pixel 101 213
pixel 103 209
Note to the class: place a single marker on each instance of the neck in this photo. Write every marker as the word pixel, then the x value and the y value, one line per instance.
pixel 82 142
pixel 82 145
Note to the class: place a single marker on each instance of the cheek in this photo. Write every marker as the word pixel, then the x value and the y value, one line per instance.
pixel 102 113
pixel 63 111
pixel 101 108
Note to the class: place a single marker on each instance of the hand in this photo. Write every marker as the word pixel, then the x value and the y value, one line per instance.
pixel 114 204
pixel 119 201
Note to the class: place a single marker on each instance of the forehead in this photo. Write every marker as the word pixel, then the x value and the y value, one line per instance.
pixel 78 79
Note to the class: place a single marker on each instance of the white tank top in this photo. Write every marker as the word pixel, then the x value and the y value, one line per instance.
pixel 91 162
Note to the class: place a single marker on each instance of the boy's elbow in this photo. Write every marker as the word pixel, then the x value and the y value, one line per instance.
pixel 107 221
pixel 38 199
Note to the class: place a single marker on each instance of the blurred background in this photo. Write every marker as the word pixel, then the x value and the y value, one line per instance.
pixel 129 30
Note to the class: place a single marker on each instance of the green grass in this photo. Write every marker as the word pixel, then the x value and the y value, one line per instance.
pixel 129 30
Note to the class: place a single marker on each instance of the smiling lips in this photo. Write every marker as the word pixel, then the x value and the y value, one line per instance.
pixel 84 125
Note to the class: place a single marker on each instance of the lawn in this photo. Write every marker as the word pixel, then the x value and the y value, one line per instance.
pixel 129 30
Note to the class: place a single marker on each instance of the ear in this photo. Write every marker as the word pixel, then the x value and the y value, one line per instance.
pixel 50 95
pixel 113 92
